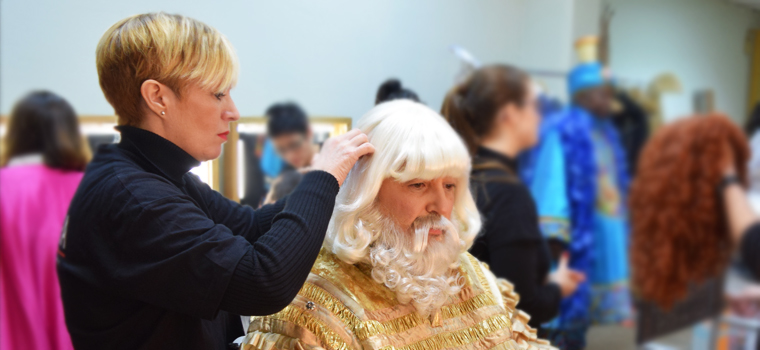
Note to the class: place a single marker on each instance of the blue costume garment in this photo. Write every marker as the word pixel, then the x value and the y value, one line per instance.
pixel 577 175
pixel 271 163
pixel 610 298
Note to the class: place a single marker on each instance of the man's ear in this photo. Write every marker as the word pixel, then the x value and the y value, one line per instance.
pixel 155 95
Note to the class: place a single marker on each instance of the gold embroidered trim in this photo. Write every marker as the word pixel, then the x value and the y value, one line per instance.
pixel 260 340
pixel 466 307
pixel 463 336
pixel 403 323
pixel 479 271
pixel 368 329
pixel 302 319
pixel 362 330
pixel 314 293
pixel 554 227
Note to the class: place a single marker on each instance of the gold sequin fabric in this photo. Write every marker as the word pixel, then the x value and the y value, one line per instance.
pixel 340 307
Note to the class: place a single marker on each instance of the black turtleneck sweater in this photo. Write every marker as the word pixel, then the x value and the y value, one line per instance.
pixel 510 241
pixel 152 258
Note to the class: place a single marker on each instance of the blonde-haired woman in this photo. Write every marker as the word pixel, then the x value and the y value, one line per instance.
pixel 150 257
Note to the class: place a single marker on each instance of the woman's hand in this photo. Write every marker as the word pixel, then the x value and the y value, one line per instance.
pixel 340 153
pixel 746 303
pixel 728 160
pixel 566 278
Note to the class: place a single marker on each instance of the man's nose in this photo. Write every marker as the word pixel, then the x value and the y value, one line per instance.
pixel 438 202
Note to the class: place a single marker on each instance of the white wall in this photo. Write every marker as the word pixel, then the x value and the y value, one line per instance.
pixel 586 14
pixel 328 55
pixel 701 41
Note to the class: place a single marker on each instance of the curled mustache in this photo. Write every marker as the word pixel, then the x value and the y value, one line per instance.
pixel 422 226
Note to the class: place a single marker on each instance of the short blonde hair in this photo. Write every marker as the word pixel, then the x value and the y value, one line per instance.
pixel 172 49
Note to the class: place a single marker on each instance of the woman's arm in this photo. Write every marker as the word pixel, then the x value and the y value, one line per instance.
pixel 743 223
pixel 549 188
pixel 243 220
pixel 518 263
pixel 168 253
pixel 271 273
pixel 739 213
pixel 517 252
pixel 338 156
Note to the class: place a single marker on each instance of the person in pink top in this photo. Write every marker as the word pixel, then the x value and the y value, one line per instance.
pixel 44 157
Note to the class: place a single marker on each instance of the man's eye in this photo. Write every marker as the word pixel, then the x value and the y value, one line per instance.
pixel 219 95
pixel 451 186
pixel 418 185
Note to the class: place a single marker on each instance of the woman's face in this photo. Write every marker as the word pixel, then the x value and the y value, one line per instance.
pixel 199 121
pixel 522 121
pixel 529 118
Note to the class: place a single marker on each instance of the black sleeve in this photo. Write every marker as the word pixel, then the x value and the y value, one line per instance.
pixel 240 219
pixel 269 276
pixel 750 249
pixel 174 256
pixel 518 254
pixel 517 263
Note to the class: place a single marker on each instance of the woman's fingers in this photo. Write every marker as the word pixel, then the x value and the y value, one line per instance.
pixel 359 139
pixel 364 149
pixel 564 260
pixel 351 134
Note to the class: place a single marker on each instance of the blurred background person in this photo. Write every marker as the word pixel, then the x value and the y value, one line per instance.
pixel 290 134
pixel 752 130
pixel 392 89
pixel 283 185
pixel 679 234
pixel 495 112
pixel 743 221
pixel 44 157
pixel 631 121
pixel 579 184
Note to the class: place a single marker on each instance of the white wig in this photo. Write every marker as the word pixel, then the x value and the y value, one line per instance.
pixel 411 142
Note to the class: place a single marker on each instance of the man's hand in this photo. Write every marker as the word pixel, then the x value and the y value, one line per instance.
pixel 340 153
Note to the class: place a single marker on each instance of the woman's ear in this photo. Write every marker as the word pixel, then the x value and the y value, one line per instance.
pixel 155 95
pixel 505 113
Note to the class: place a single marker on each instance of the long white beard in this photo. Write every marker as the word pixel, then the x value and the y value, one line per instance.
pixel 421 271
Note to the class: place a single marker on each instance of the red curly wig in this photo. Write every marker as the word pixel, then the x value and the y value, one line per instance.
pixel 680 235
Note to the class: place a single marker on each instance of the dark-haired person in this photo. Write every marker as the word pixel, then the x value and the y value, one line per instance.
pixel 580 184
pixel 44 157
pixel 741 204
pixel 752 130
pixel 288 128
pixel 742 219
pixel 153 258
pixel 283 185
pixel 392 89
pixel 495 112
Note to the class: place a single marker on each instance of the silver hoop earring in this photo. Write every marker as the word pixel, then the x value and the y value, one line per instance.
pixel 163 113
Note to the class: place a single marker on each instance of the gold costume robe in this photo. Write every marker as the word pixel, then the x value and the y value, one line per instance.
pixel 340 307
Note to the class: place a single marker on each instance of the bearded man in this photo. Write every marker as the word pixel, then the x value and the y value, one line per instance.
pixel 394 272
